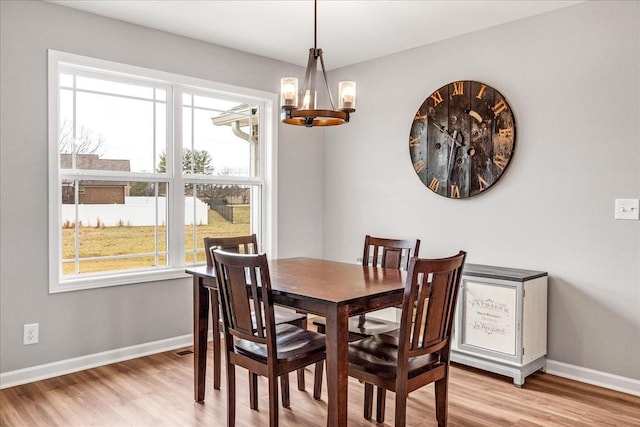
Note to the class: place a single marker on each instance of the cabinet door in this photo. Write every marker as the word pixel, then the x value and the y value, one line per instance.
pixel 489 319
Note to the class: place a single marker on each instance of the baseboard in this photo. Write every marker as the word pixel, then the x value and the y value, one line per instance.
pixel 63 367
pixel 590 376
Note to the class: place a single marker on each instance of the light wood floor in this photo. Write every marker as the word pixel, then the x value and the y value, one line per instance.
pixel 158 391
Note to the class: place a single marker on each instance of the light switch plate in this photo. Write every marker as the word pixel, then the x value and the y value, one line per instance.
pixel 627 209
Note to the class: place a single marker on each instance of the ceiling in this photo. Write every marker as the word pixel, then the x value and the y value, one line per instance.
pixel 349 31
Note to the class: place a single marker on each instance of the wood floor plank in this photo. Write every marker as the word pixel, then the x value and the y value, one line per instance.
pixel 157 391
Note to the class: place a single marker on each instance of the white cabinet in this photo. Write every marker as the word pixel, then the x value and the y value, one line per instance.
pixel 501 321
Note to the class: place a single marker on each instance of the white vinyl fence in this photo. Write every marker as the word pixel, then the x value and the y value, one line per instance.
pixel 134 212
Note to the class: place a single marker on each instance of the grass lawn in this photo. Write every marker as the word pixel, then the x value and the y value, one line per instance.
pixel 108 241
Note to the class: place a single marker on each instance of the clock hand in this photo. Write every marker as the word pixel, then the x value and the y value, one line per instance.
pixel 443 130
pixel 452 155
pixel 454 145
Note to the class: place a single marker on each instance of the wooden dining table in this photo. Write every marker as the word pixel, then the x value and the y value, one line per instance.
pixel 334 290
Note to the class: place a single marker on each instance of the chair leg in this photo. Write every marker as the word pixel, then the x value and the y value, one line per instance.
pixel 317 380
pixel 381 404
pixel 301 384
pixel 284 384
pixel 253 391
pixel 217 347
pixel 231 395
pixel 368 400
pixel 273 402
pixel 401 408
pixel 441 387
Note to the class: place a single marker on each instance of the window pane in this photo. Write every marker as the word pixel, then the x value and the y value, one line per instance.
pixel 115 88
pixel 215 103
pixel 65 126
pixel 219 210
pixel 66 80
pixel 187 135
pixel 68 223
pixel 223 144
pixel 111 221
pixel 161 94
pixel 161 136
pixel 114 133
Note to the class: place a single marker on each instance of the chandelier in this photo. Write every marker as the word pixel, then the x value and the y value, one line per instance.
pixel 299 107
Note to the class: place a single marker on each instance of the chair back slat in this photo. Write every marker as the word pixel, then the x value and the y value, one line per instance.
pixel 437 311
pixel 237 244
pixel 244 287
pixel 258 304
pixel 429 304
pixel 421 291
pixel 389 253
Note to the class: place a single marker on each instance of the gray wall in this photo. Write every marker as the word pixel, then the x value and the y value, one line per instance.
pixel 572 79
pixel 79 323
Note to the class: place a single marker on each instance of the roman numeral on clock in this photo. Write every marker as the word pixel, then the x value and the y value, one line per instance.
pixel 499 107
pixel 455 192
pixel 500 161
pixel 437 98
pixel 434 184
pixel 458 88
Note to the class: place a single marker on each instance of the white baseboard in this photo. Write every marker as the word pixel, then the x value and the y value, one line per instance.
pixel 63 367
pixel 590 376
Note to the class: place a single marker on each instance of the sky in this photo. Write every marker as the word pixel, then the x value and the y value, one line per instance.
pixel 127 123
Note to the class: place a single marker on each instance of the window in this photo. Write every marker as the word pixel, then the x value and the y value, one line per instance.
pixel 144 164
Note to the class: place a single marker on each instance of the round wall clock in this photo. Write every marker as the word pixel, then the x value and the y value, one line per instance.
pixel 462 139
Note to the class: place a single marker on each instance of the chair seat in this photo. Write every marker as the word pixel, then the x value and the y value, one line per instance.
pixel 378 354
pixel 371 326
pixel 291 342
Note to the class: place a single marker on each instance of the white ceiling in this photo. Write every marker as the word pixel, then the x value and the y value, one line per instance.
pixel 348 31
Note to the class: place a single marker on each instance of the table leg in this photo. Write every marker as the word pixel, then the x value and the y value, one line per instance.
pixel 200 330
pixel 337 336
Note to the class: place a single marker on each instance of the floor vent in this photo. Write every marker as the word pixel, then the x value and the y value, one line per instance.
pixel 184 352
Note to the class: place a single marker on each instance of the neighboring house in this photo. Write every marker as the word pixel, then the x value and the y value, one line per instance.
pixel 95 192
pixel 230 195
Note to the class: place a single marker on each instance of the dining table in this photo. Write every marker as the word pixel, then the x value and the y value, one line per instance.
pixel 332 289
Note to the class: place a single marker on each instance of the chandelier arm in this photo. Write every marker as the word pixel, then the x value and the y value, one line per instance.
pixel 326 82
pixel 312 80
pixel 303 89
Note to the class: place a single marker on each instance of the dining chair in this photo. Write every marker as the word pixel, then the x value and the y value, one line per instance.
pixel 378 252
pixel 253 340
pixel 418 353
pixel 249 245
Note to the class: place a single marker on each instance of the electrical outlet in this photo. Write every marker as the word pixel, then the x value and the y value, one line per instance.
pixel 30 334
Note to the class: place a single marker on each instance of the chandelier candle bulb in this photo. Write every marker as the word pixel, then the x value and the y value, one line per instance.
pixel 288 92
pixel 347 95
pixel 306 101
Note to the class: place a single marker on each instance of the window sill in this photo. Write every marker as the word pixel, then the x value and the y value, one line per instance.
pixel 92 282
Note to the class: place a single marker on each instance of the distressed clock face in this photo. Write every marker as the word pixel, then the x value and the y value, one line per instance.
pixel 462 139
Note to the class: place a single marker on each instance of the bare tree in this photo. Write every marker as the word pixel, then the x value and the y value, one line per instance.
pixel 86 142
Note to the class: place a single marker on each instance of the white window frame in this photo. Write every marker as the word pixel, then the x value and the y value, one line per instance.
pixel 266 227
